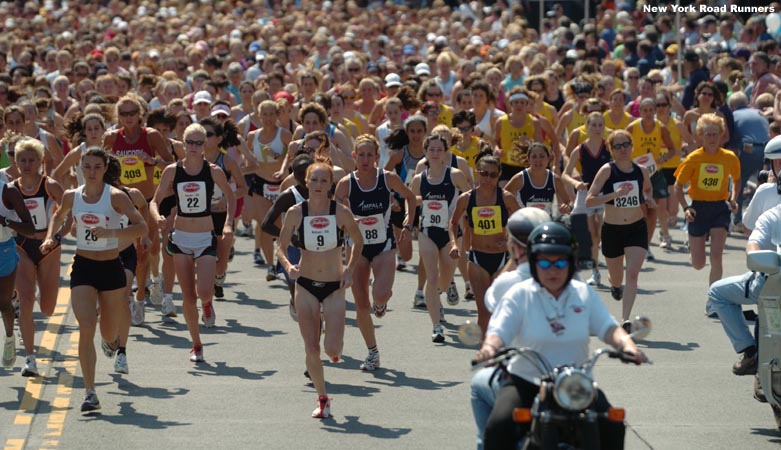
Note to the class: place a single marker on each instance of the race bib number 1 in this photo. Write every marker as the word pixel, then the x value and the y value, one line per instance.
pixel 710 177
pixel 133 171
pixel 630 199
pixel 373 229
pixel 435 213
pixel 487 220
pixel 646 161
pixel 37 208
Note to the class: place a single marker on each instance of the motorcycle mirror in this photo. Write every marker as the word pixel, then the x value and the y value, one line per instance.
pixel 641 327
pixel 765 261
pixel 469 333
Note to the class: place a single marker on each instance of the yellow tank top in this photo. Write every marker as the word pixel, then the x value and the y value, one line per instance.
pixel 621 125
pixel 549 112
pixel 357 121
pixel 470 153
pixel 578 119
pixel 643 143
pixel 347 122
pixel 675 135
pixel 445 116
pixel 509 134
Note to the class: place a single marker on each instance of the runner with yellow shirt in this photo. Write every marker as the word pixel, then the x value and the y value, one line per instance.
pixel 674 127
pixel 517 125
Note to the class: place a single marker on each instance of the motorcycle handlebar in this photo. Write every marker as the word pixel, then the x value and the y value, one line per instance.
pixel 624 357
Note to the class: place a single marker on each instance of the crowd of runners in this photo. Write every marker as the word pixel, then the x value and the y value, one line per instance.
pixel 342 137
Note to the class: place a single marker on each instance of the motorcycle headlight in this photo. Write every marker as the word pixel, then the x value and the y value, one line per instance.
pixel 574 390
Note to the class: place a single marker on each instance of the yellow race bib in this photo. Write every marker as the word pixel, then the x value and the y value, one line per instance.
pixel 157 175
pixel 487 220
pixel 710 177
pixel 133 171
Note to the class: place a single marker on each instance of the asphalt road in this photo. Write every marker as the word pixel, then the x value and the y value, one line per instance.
pixel 251 392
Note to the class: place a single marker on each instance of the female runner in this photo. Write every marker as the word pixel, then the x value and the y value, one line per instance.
pixel 537 185
pixel 623 186
pixel 487 208
pixel 97 277
pixel 192 240
pixel 438 187
pixel 367 192
pixel 318 223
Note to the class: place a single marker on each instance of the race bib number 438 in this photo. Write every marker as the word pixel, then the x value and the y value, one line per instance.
pixel 710 177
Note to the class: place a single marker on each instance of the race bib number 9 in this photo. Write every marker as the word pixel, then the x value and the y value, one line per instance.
pixel 435 213
pixel 629 200
pixel 646 161
pixel 320 233
pixel 192 197
pixel 37 208
pixel 710 177
pixel 133 171
pixel 487 220
pixel 373 229
pixel 85 238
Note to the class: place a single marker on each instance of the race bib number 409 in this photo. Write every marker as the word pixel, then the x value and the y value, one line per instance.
pixel 133 171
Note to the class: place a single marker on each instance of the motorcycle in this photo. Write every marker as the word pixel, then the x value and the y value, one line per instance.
pixel 768 262
pixel 561 417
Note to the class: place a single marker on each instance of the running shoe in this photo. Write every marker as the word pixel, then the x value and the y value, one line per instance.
pixel 627 326
pixel 617 293
pixel 156 292
pixel 109 348
pixel 218 293
pixel 379 310
pixel 168 309
pixel 259 258
pixel 292 310
pixel 137 312
pixel 372 362
pixel 649 256
pixel 9 352
pixel 323 409
pixel 400 263
pixel 271 275
pixel 196 354
pixel 30 367
pixel 90 403
pixel 468 294
pixel 596 278
pixel 452 294
pixel 209 317
pixel 438 335
pixel 666 242
pixel 120 364
pixel 419 300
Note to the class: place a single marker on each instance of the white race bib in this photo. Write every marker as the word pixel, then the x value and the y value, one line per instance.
pixel 435 213
pixel 631 199
pixel 408 178
pixel 320 233
pixel 192 197
pixel 85 239
pixel 37 208
pixel 271 191
pixel 123 222
pixel 646 161
pixel 373 229
pixel 218 194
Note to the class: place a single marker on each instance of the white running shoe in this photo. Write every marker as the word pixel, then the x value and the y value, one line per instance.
pixel 438 335
pixel 452 294
pixel 30 367
pixel 120 364
pixel 156 292
pixel 323 409
pixel 419 301
pixel 137 312
pixel 596 278
pixel 372 362
pixel 168 309
pixel 9 352
pixel 209 317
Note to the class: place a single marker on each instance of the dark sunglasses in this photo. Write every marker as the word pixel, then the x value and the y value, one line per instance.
pixel 309 149
pixel 128 113
pixel 193 143
pixel 466 129
pixel 210 134
pixel 546 264
pixel 353 69
pixel 434 94
pixel 622 145
pixel 662 105
pixel 485 173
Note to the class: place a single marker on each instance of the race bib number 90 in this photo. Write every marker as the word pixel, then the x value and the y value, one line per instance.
pixel 373 229
pixel 133 171
pixel 320 233
pixel 630 199
pixel 710 177
pixel 192 197
pixel 487 220
pixel 435 213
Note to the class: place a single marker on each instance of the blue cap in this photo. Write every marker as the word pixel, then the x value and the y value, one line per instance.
pixel 254 47
pixel 408 49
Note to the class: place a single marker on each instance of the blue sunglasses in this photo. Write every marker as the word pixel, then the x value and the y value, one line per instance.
pixel 546 264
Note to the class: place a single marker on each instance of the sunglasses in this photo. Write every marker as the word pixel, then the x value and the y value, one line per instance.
pixel 81 74
pixel 633 77
pixel 621 145
pixel 128 113
pixel 433 94
pixel 309 149
pixel 194 143
pixel 485 173
pixel 546 264
pixel 662 105
pixel 210 134
pixel 466 129
pixel 353 69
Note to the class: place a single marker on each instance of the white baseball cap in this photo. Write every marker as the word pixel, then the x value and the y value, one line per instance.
pixel 422 69
pixel 202 97
pixel 392 80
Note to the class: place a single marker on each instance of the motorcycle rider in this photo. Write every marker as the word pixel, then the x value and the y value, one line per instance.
pixel 484 385
pixel 572 312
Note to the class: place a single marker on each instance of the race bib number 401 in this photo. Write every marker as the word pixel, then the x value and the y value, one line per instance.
pixel 487 220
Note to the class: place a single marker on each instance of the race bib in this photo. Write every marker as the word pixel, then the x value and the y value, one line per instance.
pixel 218 194
pixel 85 239
pixel 320 233
pixel 646 161
pixel 133 171
pixel 710 177
pixel 631 199
pixel 157 175
pixel 123 222
pixel 192 197
pixel 37 208
pixel 487 220
pixel 435 213
pixel 271 191
pixel 373 229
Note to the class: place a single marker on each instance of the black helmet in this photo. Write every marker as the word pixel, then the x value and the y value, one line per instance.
pixel 552 238
pixel 522 222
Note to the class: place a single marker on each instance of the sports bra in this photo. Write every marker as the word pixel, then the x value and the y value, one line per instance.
pixel 193 192
pixel 319 233
pixel 487 219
